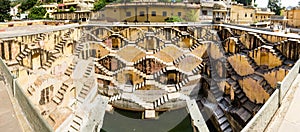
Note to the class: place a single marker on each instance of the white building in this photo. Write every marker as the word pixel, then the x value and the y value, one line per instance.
pixel 51 8
pixel 14 10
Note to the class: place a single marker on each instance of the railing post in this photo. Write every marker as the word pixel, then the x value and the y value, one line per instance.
pixel 14 79
pixel 279 93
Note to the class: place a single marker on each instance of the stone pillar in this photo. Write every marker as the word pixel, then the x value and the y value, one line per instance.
pixel 15 47
pixel 1 51
pixel 6 50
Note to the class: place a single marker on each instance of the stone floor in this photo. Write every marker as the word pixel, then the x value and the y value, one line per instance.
pixel 8 119
pixel 286 118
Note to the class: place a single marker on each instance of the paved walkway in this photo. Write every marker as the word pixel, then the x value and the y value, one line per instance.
pixel 287 117
pixel 8 119
pixel 196 116
pixel 11 32
pixel 295 36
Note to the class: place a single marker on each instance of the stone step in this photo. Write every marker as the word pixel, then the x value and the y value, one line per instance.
pixel 56 100
pixel 27 50
pixel 18 58
pixel 228 129
pixel 60 96
pixel 225 125
pixel 64 87
pixel 75 126
pixel 222 119
pixel 244 114
pixel 249 106
pixel 31 90
pixel 48 64
pixel 22 55
pixel 218 112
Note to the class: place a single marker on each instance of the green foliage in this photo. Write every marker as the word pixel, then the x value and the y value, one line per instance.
pixel 47 16
pixel 99 5
pixel 50 1
pixel 37 13
pixel 164 0
pixel 192 16
pixel 4 10
pixel 122 1
pixel 245 2
pixel 173 19
pixel 170 0
pixel 27 4
pixel 14 3
pixel 275 6
pixel 72 9
pixel 58 1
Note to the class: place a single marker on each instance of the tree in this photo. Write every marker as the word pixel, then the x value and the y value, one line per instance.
pixel 37 13
pixel 27 4
pixel 99 5
pixel 173 19
pixel 47 16
pixel 72 9
pixel 50 1
pixel 4 10
pixel 192 16
pixel 245 2
pixel 275 6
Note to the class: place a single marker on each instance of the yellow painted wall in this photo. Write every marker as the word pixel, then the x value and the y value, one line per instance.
pixel 293 17
pixel 118 13
pixel 237 14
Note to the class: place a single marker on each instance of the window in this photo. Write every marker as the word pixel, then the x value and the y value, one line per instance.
pixel 256 17
pixel 153 13
pixel 179 13
pixel 204 12
pixel 164 13
pixel 128 13
pixel 264 16
pixel 142 13
pixel 115 10
pixel 245 14
pixel 251 15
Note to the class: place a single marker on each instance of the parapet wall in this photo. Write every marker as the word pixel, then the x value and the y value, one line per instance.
pixel 260 121
pixel 37 122
pixel 35 22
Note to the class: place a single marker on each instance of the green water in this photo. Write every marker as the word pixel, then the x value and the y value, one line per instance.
pixel 129 121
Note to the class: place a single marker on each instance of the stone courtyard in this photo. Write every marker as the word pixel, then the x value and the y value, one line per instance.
pixel 74 74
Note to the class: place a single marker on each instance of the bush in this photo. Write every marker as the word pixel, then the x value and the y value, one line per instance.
pixel 72 9
pixel 99 5
pixel 37 13
pixel 4 10
pixel 27 4
pixel 173 19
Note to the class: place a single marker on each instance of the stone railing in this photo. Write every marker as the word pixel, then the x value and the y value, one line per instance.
pixel 262 118
pixel 37 122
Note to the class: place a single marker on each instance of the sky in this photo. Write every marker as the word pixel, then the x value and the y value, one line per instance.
pixel 285 3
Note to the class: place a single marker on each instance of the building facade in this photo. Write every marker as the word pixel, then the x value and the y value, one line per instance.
pixel 148 12
pixel 293 17
pixel 51 8
pixel 240 14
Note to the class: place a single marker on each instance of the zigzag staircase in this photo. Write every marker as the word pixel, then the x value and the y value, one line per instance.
pixel 59 96
pixel 75 125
